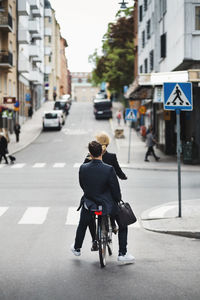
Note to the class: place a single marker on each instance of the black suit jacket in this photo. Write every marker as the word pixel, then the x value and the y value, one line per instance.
pixel 100 186
pixel 110 159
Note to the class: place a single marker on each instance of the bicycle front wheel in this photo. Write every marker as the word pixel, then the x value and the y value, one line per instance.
pixel 102 239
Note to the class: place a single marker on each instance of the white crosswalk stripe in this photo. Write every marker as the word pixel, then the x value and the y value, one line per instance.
pixel 34 215
pixel 77 165
pixel 3 210
pixel 38 215
pixel 2 166
pixel 59 165
pixel 17 166
pixel 39 165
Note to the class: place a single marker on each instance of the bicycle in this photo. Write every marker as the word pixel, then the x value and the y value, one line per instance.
pixel 103 235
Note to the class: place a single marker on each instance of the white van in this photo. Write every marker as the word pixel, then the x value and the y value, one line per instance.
pixel 52 119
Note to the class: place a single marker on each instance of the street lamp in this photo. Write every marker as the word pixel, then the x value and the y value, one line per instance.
pixel 123 4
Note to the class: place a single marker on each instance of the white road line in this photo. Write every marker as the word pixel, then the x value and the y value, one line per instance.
pixel 72 216
pixel 3 210
pixel 160 211
pixel 2 166
pixel 59 165
pixel 77 165
pixel 34 215
pixel 135 225
pixel 18 166
pixel 39 165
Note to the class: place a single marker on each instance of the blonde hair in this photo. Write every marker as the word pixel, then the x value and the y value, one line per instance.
pixel 103 139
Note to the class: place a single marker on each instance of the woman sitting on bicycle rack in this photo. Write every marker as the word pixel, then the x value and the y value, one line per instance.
pixel 101 187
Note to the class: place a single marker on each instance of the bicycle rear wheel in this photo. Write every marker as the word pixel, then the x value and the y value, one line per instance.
pixel 109 241
pixel 102 239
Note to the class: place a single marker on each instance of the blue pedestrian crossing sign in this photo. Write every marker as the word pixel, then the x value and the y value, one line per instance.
pixel 131 114
pixel 178 96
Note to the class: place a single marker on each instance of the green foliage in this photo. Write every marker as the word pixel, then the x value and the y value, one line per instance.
pixel 116 64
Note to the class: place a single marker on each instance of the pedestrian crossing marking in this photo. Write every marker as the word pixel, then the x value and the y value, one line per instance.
pixel 34 216
pixel 3 210
pixel 59 165
pixel 39 165
pixel 17 166
pixel 72 216
pixel 77 165
pixel 2 166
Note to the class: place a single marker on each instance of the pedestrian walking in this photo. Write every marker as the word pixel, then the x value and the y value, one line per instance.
pixel 30 111
pixel 3 147
pixel 54 95
pixel 119 116
pixel 100 185
pixel 150 142
pixel 17 131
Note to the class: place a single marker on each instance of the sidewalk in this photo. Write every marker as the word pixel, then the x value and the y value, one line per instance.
pixel 164 218
pixel 30 130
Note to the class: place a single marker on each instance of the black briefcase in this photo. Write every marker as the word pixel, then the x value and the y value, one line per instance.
pixel 126 215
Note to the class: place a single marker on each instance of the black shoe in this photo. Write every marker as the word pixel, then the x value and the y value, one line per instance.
pixel 157 158
pixel 94 246
pixel 114 229
pixel 146 160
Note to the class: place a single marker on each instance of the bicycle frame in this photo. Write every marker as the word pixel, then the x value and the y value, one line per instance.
pixel 103 235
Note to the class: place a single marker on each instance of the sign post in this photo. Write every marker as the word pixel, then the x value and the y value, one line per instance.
pixel 178 96
pixel 131 115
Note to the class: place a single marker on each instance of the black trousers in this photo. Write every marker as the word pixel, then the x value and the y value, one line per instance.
pixel 4 156
pixel 149 151
pixel 86 218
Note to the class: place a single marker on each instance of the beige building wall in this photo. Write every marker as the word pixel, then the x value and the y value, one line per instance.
pixel 85 93
pixel 63 89
pixel 8 53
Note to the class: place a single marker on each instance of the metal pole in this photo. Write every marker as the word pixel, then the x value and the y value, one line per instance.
pixel 178 160
pixel 129 146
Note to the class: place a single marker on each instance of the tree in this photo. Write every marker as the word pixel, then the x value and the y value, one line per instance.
pixel 116 64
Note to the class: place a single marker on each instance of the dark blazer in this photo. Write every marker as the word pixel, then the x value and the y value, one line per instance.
pixel 100 186
pixel 3 145
pixel 110 159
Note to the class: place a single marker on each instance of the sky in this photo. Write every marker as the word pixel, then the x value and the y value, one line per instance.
pixel 83 24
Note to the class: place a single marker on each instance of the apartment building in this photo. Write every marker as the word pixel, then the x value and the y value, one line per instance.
pixel 8 62
pixel 168 51
pixel 31 54
pixel 63 89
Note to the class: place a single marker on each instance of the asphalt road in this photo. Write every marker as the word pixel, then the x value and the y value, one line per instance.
pixel 38 219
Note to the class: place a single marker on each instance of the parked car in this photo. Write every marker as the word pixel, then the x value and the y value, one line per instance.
pixel 52 119
pixel 62 115
pixel 63 105
pixel 102 109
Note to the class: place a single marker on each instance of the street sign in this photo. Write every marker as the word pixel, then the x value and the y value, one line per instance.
pixel 9 100
pixel 178 96
pixel 142 110
pixel 28 97
pixel 131 114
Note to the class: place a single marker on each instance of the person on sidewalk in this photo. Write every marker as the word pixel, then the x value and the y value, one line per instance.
pixel 150 142
pixel 110 159
pixel 100 185
pixel 3 148
pixel 17 131
pixel 119 116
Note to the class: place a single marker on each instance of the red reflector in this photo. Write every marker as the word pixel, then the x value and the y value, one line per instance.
pixel 98 213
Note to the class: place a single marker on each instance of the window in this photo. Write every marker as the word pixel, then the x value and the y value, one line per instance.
pixel 140 13
pixel 143 39
pixel 145 5
pixel 151 60
pixel 0 83
pixel 148 29
pixel 46 77
pixel 197 18
pixel 163 45
pixel 141 69
pixel 49 39
pixel 163 7
pixel 146 65
pixel 49 58
pixel 50 20
pixel 5 83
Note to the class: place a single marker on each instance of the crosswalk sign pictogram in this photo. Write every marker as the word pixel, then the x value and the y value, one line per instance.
pixel 177 95
pixel 131 114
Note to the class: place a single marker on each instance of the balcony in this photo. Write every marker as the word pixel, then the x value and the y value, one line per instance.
pixel 36 77
pixel 34 26
pixel 23 66
pixel 6 23
pixel 47 51
pixel 36 36
pixel 23 8
pixel 23 36
pixel 37 59
pixel 48 69
pixel 47 31
pixel 34 4
pixel 34 51
pixel 36 13
pixel 47 12
pixel 6 59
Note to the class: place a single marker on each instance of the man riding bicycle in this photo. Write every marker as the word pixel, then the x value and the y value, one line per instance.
pixel 101 187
